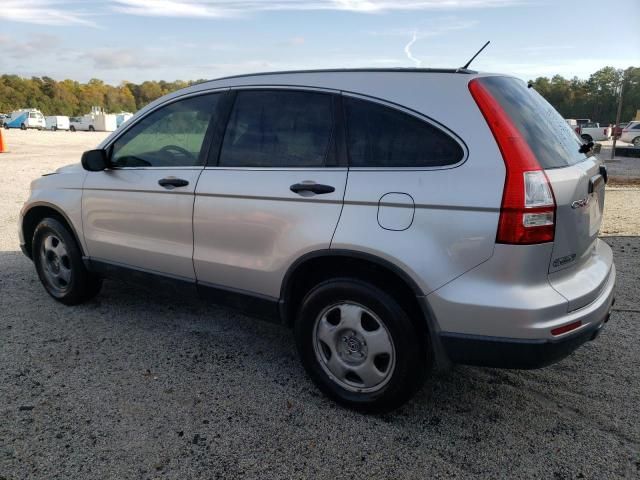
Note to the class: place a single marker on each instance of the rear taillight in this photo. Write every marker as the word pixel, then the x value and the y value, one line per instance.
pixel 527 213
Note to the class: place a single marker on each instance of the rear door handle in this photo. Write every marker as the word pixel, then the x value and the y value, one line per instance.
pixel 172 182
pixel 311 187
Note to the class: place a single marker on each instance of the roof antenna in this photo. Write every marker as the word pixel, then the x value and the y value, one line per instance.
pixel 474 57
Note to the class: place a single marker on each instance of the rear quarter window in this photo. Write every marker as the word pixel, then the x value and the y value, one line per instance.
pixel 380 136
pixel 550 137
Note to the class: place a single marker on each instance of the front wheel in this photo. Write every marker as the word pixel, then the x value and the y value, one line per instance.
pixel 359 346
pixel 91 129
pixel 72 128
pixel 58 261
pixel 23 126
pixel 636 142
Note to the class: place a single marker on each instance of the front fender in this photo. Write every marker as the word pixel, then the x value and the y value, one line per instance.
pixel 60 192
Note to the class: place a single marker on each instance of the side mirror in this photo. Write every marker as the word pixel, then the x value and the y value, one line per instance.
pixel 95 160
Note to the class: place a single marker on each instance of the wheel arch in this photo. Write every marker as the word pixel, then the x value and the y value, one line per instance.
pixel 316 266
pixel 35 214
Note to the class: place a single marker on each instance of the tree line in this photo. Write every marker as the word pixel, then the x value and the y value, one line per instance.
pixel 71 98
pixel 594 98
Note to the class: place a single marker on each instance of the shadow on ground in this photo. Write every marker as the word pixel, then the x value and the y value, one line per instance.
pixel 139 384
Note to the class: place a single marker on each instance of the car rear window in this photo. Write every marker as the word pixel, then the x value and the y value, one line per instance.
pixel 550 137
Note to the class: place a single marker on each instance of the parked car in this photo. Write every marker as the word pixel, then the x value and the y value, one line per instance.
pixel 631 133
pixel 617 130
pixel 397 220
pixel 24 119
pixel 57 122
pixel 593 132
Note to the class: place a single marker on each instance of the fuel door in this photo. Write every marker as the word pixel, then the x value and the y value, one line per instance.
pixel 396 211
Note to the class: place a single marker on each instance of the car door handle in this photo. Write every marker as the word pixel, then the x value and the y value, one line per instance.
pixel 171 182
pixel 311 187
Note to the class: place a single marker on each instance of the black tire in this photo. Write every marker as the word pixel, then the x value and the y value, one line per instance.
pixel 82 284
pixel 636 142
pixel 72 128
pixel 91 129
pixel 54 128
pixel 23 126
pixel 411 364
pixel 586 137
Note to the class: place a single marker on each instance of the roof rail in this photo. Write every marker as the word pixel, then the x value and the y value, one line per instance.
pixel 354 70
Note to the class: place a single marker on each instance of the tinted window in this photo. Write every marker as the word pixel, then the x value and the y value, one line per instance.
pixel 636 126
pixel 552 140
pixel 271 128
pixel 380 136
pixel 172 136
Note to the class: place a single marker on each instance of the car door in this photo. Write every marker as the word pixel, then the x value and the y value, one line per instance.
pixel 138 213
pixel 273 194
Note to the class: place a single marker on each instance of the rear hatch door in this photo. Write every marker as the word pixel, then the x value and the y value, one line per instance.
pixel 577 180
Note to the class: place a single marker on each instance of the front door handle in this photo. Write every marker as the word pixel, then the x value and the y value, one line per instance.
pixel 311 187
pixel 172 182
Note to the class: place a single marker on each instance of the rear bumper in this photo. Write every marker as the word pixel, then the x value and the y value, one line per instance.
pixel 512 352
pixel 501 314
pixel 528 353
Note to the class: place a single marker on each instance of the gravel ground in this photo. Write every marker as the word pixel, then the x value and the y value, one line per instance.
pixel 137 385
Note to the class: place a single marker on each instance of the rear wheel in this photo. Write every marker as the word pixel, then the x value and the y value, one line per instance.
pixel 72 128
pixel 359 346
pixel 91 129
pixel 586 137
pixel 58 261
pixel 23 126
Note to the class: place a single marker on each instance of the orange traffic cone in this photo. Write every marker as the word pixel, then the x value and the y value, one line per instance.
pixel 3 147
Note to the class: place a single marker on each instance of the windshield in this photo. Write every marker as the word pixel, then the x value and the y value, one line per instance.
pixel 550 137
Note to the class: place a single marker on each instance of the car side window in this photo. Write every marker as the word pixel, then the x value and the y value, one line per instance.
pixel 636 126
pixel 380 136
pixel 278 128
pixel 171 136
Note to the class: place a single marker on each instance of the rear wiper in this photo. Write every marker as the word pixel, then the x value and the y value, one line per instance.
pixel 586 147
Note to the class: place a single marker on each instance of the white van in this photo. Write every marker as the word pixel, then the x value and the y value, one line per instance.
pixel 122 117
pixel 96 121
pixel 57 122
pixel 25 118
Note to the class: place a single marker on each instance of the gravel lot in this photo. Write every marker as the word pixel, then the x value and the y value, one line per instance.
pixel 138 385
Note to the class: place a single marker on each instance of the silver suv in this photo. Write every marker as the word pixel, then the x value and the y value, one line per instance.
pixel 396 219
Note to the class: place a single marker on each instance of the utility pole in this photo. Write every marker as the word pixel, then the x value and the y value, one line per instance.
pixel 615 128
